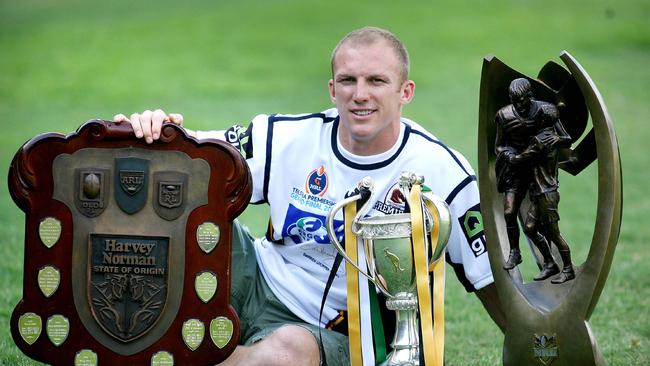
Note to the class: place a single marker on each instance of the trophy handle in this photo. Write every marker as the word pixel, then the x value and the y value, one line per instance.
pixel 329 222
pixel 442 218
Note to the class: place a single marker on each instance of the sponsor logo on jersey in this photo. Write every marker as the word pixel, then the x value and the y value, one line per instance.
pixel 317 182
pixel 240 137
pixel 393 203
pixel 304 226
pixel 472 224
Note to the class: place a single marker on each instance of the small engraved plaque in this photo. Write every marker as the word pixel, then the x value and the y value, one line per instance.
pixel 221 330
pixel 207 235
pixel 193 332
pixel 85 357
pixel 49 231
pixel 48 280
pixel 57 329
pixel 30 326
pixel 205 285
pixel 162 358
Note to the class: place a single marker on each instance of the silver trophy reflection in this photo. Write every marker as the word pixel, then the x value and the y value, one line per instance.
pixel 390 245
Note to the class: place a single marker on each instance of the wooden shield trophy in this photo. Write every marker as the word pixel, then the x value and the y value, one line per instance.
pixel 528 128
pixel 127 247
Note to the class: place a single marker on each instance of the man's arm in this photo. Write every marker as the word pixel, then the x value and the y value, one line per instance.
pixel 492 304
pixel 564 137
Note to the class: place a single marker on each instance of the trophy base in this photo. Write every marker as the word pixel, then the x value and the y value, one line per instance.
pixel 406 343
pixel 403 357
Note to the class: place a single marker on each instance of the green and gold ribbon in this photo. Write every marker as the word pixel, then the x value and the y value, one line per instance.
pixel 352 279
pixel 422 276
pixel 438 271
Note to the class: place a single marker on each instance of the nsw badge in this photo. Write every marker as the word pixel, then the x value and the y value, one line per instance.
pixel 170 194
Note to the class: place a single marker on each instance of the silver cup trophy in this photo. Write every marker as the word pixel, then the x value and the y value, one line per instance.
pixel 389 244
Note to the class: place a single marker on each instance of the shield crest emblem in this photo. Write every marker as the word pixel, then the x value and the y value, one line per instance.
pixel 128 283
pixel 92 188
pixel 131 182
pixel 170 196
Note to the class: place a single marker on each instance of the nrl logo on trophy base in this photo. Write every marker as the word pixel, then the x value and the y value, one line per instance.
pixel 545 349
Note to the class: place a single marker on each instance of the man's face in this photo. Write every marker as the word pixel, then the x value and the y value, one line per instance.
pixel 522 104
pixel 369 94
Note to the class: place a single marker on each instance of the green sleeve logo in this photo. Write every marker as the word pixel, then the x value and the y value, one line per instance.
pixel 472 224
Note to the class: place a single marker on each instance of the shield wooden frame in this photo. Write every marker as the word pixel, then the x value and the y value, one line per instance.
pixel 50 243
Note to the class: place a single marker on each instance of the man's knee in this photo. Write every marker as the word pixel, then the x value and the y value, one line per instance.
pixel 295 345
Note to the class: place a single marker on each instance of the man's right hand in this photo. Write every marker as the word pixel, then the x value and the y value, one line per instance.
pixel 148 124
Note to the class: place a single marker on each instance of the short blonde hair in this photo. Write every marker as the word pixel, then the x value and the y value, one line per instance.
pixel 371 35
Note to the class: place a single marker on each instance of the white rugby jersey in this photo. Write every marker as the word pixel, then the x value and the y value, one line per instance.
pixel 300 169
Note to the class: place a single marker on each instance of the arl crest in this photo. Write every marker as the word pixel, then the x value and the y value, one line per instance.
pixel 132 180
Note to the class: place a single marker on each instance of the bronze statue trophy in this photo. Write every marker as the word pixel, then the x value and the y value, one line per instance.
pixel 528 129
pixel 127 247
pixel 398 252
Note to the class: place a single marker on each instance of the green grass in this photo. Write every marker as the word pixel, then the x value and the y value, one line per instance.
pixel 218 62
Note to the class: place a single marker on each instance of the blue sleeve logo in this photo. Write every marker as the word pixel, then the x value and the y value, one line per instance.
pixel 303 226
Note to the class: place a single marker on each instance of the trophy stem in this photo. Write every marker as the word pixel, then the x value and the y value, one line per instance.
pixel 406 342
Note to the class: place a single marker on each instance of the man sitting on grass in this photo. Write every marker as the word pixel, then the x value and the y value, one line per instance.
pixel 301 165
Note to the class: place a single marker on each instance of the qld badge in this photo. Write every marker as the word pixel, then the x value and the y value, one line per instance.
pixel 91 189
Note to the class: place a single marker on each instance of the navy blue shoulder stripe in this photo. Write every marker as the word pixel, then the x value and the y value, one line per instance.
pixel 269 142
pixel 428 138
pixel 358 166
pixel 459 187
pixel 275 117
